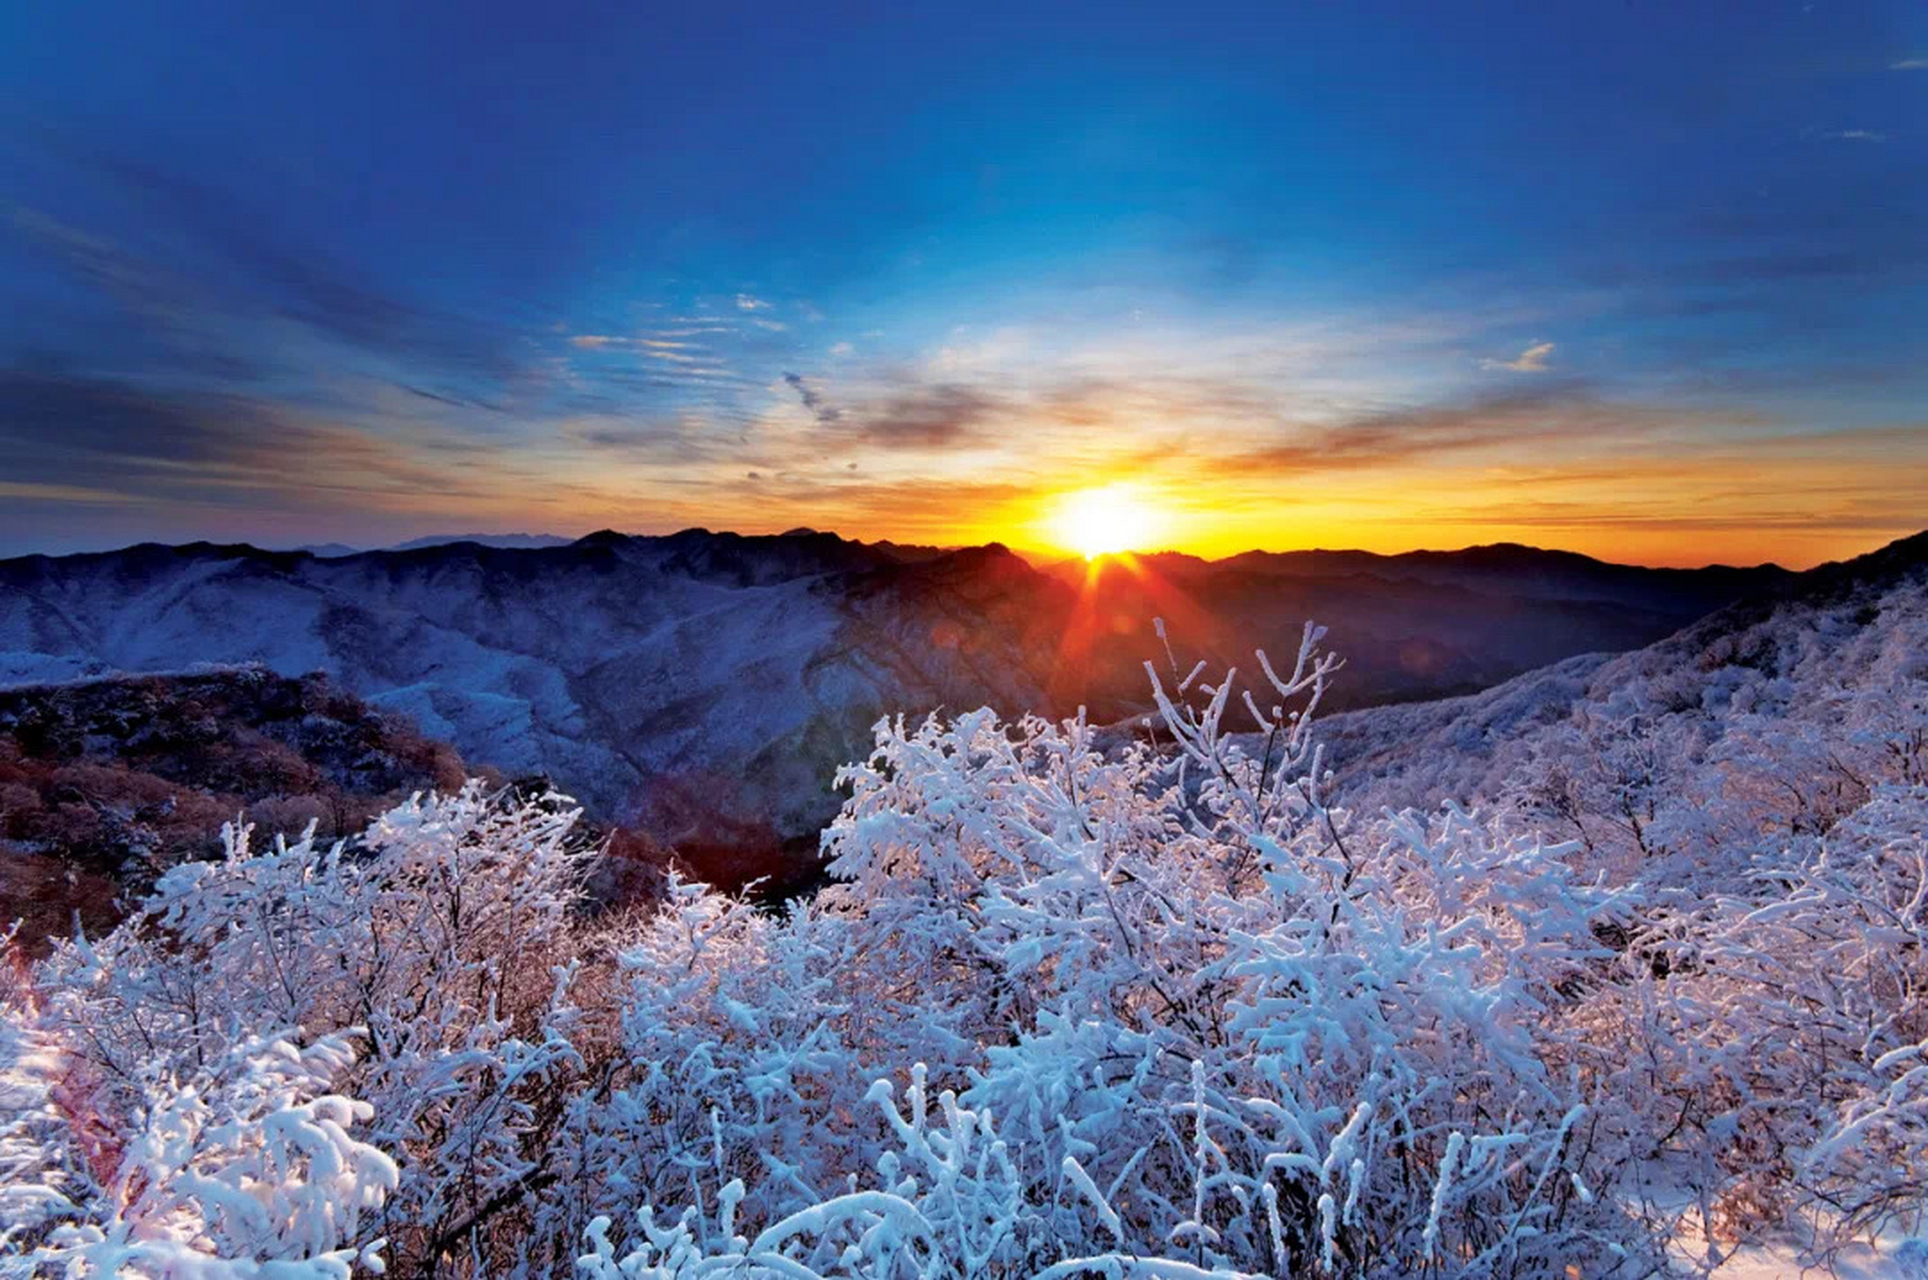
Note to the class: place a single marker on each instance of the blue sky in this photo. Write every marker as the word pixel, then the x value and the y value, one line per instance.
pixel 1649 280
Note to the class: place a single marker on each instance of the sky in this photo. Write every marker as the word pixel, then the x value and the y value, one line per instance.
pixel 1645 280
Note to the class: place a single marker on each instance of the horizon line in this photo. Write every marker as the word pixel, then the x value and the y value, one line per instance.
pixel 1039 557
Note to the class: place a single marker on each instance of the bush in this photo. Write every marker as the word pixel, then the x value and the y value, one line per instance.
pixel 1163 1009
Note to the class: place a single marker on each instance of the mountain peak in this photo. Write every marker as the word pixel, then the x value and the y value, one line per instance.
pixel 602 538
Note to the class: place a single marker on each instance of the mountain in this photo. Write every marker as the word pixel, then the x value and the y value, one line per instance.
pixel 706 685
pixel 107 782
pixel 1783 705
pixel 1509 569
pixel 525 540
pixel 332 550
pixel 1413 626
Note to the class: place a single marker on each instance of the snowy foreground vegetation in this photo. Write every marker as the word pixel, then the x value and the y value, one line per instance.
pixel 1170 1009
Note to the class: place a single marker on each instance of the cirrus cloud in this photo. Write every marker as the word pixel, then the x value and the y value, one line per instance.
pixel 1531 360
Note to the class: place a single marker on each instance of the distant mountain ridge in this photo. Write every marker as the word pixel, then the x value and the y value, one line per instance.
pixel 707 684
pixel 485 539
pixel 332 550
pixel 1514 569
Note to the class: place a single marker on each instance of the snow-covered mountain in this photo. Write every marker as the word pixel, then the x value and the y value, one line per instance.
pixel 707 684
pixel 1770 715
pixel 669 679
pixel 1684 1036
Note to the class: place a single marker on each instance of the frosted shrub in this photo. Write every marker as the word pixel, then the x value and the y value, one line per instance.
pixel 1075 1004
pixel 246 1168
pixel 1781 1029
pixel 1206 1019
pixel 435 950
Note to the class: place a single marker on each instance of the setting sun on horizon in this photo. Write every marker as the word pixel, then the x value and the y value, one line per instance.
pixel 1097 522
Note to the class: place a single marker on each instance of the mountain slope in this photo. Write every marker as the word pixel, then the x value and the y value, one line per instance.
pixel 662 678
pixel 105 783
pixel 1786 707
pixel 1420 625
pixel 707 685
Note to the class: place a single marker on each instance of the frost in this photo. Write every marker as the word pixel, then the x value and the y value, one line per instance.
pixel 1202 1004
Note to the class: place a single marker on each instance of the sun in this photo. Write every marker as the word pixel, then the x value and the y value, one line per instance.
pixel 1102 522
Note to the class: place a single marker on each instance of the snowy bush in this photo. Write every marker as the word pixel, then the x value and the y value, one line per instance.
pixel 247 1168
pixel 1178 1014
pixel 1072 1005
pixel 439 957
pixel 1779 1030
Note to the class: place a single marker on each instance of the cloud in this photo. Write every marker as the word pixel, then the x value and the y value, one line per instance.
pixel 683 440
pixel 841 349
pixel 1856 135
pixel 774 326
pixel 451 401
pixel 750 302
pixel 215 450
pixel 1909 64
pixel 900 416
pixel 942 416
pixel 239 263
pixel 62 493
pixel 597 341
pixel 812 401
pixel 1561 412
pixel 1531 360
pixel 227 302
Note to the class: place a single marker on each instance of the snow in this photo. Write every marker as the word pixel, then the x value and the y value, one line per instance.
pixel 1645 998
pixel 642 683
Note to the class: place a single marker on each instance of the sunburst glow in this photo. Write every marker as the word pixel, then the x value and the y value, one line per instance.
pixel 1099 522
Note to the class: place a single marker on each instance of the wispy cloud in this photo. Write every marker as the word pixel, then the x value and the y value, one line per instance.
pixel 137 444
pixel 1909 64
pixel 1855 135
pixel 1531 360
pixel 1564 412
pixel 229 267
pixel 750 302
pixel 942 416
pixel 812 399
